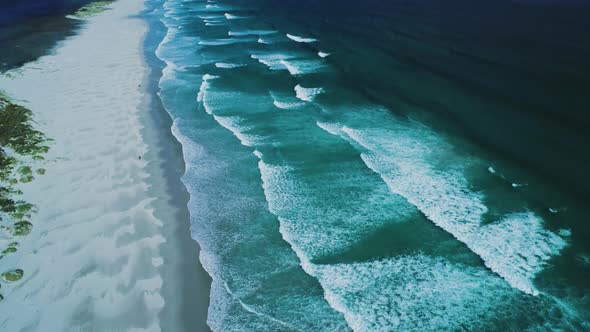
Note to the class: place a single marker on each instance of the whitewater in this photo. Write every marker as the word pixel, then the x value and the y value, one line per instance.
pixel 317 208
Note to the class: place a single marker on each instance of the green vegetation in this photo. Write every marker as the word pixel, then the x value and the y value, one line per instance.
pixel 21 150
pixel 10 249
pixel 21 146
pixel 13 275
pixel 91 9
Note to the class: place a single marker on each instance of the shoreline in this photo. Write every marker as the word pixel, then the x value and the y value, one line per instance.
pixel 111 245
pixel 192 310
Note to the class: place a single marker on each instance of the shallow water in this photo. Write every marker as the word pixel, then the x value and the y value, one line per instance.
pixel 319 206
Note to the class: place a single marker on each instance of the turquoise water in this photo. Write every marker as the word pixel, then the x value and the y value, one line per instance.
pixel 319 207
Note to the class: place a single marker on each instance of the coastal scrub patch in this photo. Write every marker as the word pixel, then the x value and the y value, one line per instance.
pixel 21 152
pixel 10 249
pixel 21 149
pixel 12 276
pixel 90 9
pixel 22 228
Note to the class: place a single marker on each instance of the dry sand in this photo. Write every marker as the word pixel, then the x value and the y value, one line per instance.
pixel 111 247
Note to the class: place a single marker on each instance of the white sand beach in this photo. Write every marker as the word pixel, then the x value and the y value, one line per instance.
pixel 110 249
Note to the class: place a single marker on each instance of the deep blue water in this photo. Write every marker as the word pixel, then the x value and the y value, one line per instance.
pixel 31 28
pixel 399 165
pixel 13 12
pixel 511 76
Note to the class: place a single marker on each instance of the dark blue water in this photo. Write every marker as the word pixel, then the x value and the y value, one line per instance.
pixel 12 12
pixel 512 76
pixel 384 165
pixel 30 29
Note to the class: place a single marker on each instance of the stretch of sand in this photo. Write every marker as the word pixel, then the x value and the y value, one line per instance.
pixel 110 248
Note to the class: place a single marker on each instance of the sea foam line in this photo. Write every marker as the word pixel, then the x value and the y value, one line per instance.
pixel 224 41
pixel 293 70
pixel 301 39
pixel 190 152
pixel 409 293
pixel 272 60
pixel 307 94
pixel 204 86
pixel 516 246
pixel 227 65
pixel 302 66
pixel 285 102
pixel 251 32
pixel 232 16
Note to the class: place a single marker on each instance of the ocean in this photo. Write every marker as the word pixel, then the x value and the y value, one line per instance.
pixel 384 166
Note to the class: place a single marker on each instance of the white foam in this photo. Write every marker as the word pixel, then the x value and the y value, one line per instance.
pixel 378 295
pixel 307 94
pixel 210 17
pixel 203 88
pixel 323 54
pixel 251 32
pixel 262 41
pixel 285 102
pixel 223 41
pixel 516 246
pixel 293 70
pixel 415 293
pixel 233 124
pixel 236 289
pixel 299 67
pixel 342 226
pixel 272 60
pixel 301 39
pixel 331 128
pixel 214 21
pixel 301 309
pixel 227 65
pixel 286 105
pixel 232 17
pixel 156 262
pixel 407 293
pixel 208 77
